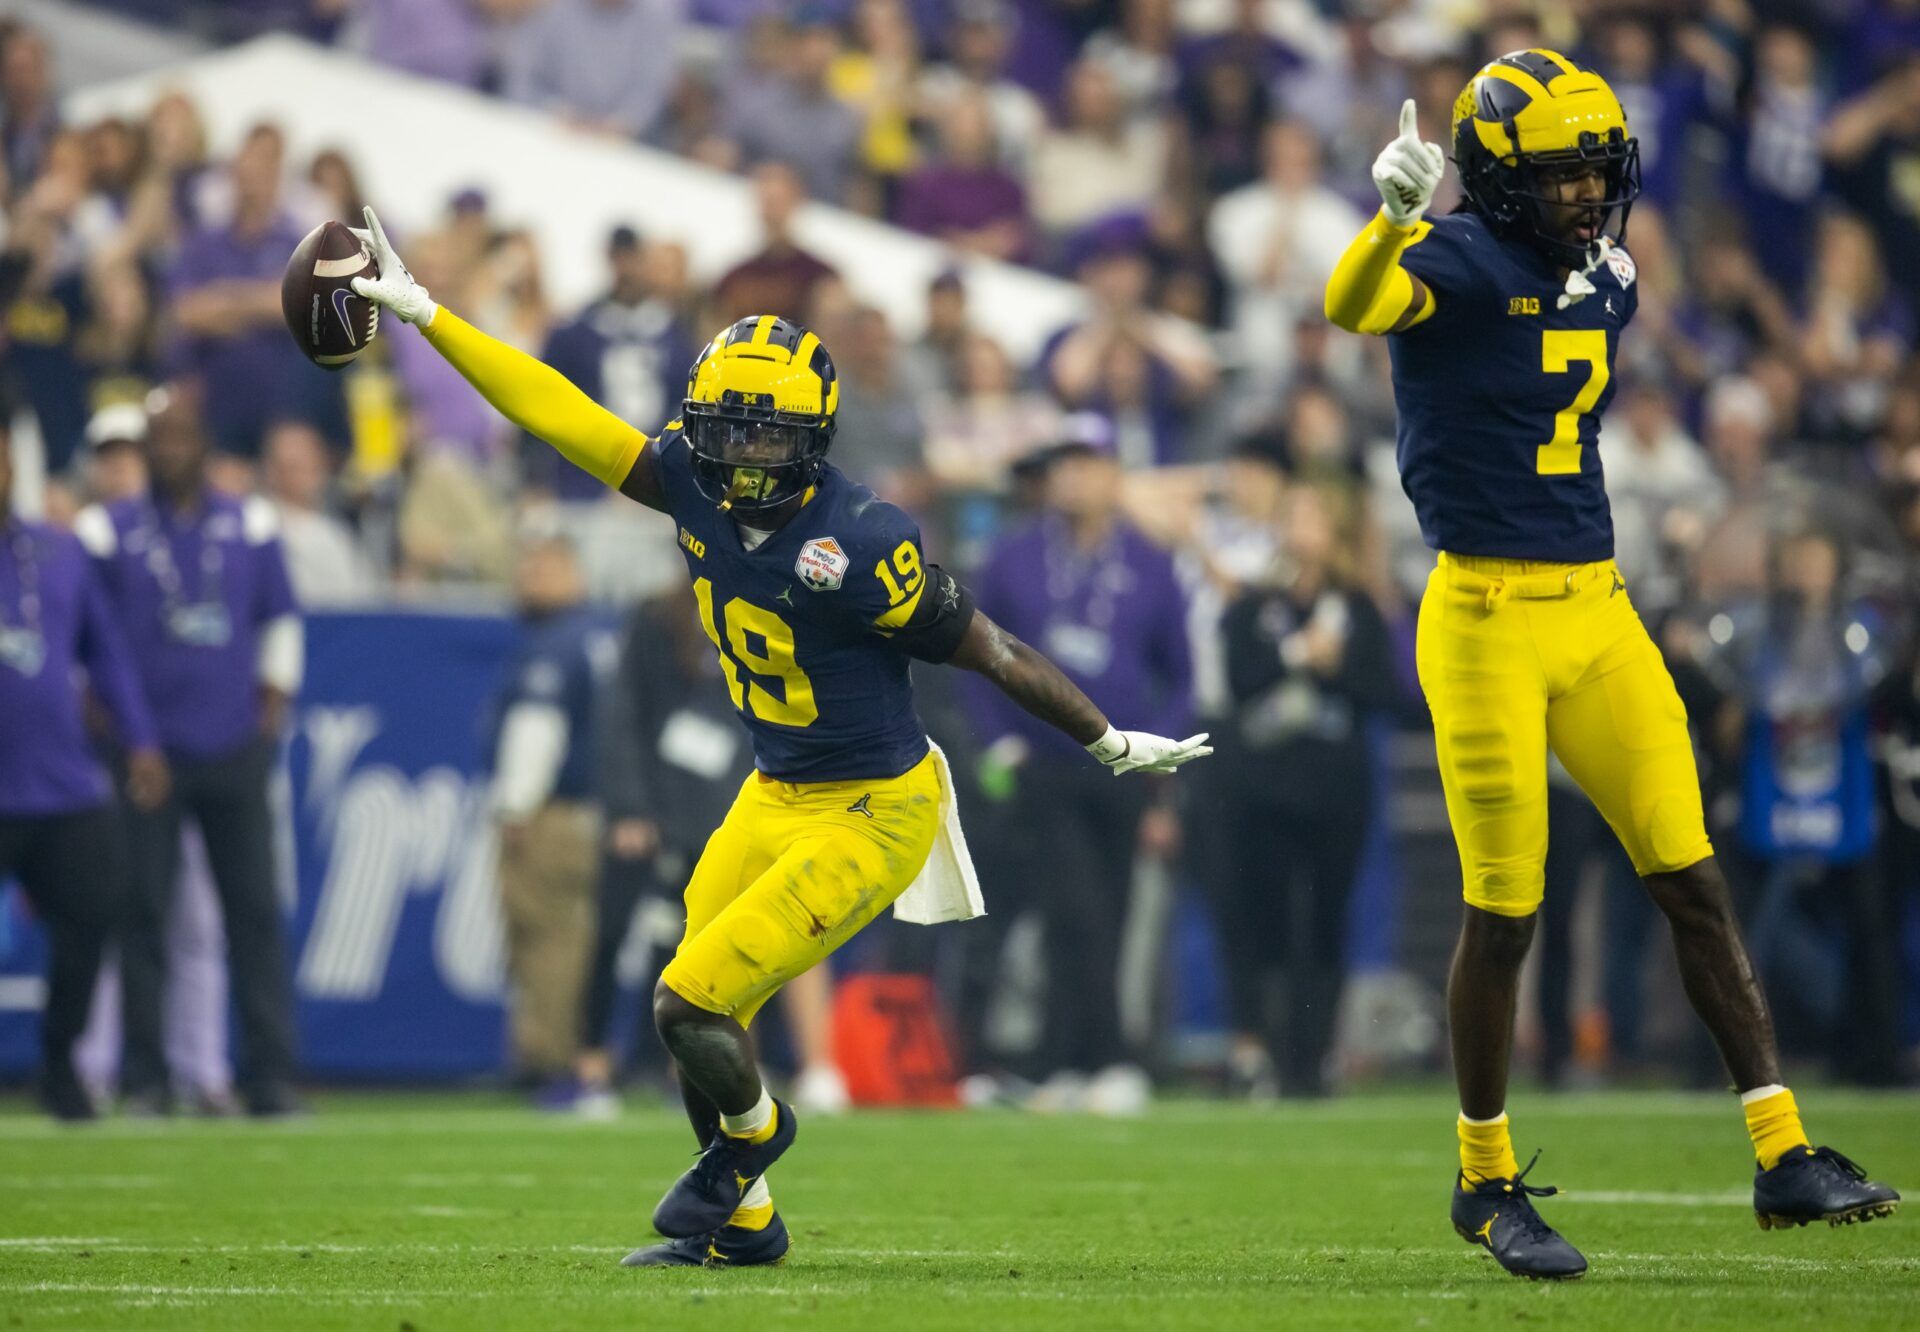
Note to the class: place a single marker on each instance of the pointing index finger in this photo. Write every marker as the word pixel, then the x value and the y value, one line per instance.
pixel 1409 121
pixel 380 245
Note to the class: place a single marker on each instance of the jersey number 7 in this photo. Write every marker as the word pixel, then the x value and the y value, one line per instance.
pixel 1560 348
pixel 772 659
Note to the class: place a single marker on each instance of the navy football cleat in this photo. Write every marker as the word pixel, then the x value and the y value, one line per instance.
pixel 1498 1215
pixel 1818 1184
pixel 701 1200
pixel 729 1246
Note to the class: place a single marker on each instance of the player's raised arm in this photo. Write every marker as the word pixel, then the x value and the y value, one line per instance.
pixel 1039 686
pixel 529 393
pixel 1369 291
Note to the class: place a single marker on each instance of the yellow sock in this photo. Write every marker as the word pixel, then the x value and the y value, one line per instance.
pixel 1773 1122
pixel 752 1218
pixel 1486 1150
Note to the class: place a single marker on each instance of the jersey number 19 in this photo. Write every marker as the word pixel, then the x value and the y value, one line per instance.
pixel 773 659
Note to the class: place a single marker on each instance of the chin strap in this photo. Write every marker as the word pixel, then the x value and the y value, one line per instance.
pixel 1578 286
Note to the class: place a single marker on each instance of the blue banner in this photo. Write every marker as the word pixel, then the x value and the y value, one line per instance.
pixel 389 855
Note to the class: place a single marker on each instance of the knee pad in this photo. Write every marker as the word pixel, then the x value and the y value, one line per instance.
pixel 1482 759
pixel 1672 835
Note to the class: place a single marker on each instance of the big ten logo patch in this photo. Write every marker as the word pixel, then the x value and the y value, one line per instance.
pixel 1523 305
pixel 694 544
pixel 822 565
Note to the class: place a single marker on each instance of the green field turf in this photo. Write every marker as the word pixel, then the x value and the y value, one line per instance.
pixel 422 1214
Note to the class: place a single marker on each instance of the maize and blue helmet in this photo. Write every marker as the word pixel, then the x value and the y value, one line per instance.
pixel 1533 112
pixel 759 413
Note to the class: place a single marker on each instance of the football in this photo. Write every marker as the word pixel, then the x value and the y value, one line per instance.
pixel 330 323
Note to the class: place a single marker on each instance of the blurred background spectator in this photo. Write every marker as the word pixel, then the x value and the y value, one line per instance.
pixel 1308 664
pixel 545 809
pixel 606 65
pixel 1101 600
pixel 198 583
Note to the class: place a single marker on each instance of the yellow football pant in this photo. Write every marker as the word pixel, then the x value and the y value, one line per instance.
pixel 1517 655
pixel 794 871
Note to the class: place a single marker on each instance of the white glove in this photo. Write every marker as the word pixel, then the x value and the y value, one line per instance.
pixel 1407 172
pixel 395 287
pixel 1130 751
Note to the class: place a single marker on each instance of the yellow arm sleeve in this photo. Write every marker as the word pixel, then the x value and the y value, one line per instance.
pixel 538 399
pixel 1369 291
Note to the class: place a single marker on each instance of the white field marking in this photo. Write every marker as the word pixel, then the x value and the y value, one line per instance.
pixel 757 1289
pixel 431 1122
pixel 1779 1262
pixel 465 1181
pixel 40 1241
pixel 29 1183
pixel 211 1248
pixel 440 1121
pixel 430 1209
pixel 1397 1107
pixel 1726 1198
pixel 1097 1186
pixel 1688 1261
pixel 614 1248
pixel 984 1255
pixel 230 1291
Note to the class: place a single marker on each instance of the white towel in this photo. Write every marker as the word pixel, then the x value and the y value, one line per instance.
pixel 947 887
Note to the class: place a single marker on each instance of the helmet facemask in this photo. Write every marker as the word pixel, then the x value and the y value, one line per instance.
pixel 1524 186
pixel 751 458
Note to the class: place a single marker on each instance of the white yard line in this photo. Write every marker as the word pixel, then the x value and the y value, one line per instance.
pixel 201 1294
pixel 33 1183
pixel 1725 1198
pixel 61 1244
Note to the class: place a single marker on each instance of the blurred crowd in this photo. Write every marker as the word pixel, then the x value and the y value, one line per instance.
pixel 1200 448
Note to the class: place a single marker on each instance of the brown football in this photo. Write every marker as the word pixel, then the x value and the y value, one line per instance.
pixel 331 324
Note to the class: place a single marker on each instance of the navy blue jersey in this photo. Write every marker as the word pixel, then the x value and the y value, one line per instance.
pixel 801 622
pixel 1500 395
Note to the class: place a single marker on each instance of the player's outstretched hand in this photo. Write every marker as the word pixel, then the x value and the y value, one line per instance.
pixel 395 287
pixel 1137 751
pixel 1407 172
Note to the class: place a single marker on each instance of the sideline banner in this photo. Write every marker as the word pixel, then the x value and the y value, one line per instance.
pixel 387 855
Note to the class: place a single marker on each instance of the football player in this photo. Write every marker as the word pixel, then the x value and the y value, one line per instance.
pixel 816 595
pixel 1503 320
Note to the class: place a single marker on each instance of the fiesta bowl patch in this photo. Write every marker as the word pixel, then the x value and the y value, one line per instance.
pixel 822 565
pixel 1622 265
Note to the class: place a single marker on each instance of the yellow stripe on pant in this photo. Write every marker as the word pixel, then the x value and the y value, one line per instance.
pixel 794 871
pixel 1517 655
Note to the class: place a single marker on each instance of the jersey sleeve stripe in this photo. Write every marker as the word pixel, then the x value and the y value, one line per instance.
pixel 899 615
